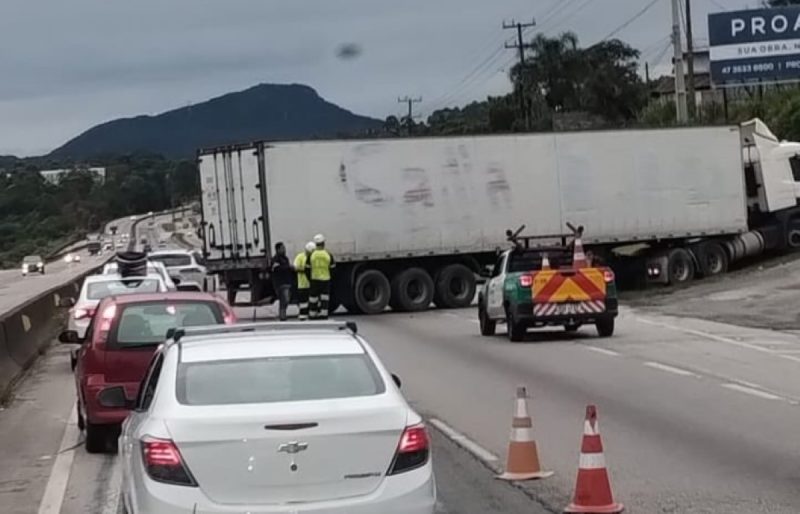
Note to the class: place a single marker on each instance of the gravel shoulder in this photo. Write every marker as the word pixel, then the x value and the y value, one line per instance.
pixel 763 295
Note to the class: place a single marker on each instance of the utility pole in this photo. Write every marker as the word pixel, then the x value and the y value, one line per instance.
pixel 410 117
pixel 522 74
pixel 690 59
pixel 680 85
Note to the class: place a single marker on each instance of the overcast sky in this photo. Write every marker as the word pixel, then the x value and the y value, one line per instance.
pixel 68 65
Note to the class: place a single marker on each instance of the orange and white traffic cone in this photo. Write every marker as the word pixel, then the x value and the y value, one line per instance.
pixel 593 488
pixel 523 456
pixel 579 259
pixel 545 262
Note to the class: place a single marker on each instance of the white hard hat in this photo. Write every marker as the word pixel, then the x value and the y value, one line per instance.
pixel 310 246
pixel 319 238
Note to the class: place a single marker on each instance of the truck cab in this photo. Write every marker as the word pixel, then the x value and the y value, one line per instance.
pixel 547 286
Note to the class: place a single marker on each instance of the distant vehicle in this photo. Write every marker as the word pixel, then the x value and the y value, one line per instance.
pixel 523 294
pixel 133 218
pixel 107 247
pixel 72 257
pixel 185 264
pixel 97 287
pixel 300 419
pixel 118 347
pixel 94 247
pixel 32 264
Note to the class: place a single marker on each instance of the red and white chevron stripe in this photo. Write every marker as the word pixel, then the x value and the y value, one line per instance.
pixel 563 309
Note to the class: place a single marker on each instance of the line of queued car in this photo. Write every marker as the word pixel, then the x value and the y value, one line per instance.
pixel 212 416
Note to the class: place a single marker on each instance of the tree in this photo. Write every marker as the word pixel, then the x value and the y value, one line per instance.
pixel 601 79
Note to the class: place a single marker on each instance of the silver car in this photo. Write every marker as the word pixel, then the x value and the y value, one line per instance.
pixel 185 264
pixel 267 417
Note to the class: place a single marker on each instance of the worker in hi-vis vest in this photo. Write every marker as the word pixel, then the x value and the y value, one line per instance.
pixel 301 263
pixel 320 264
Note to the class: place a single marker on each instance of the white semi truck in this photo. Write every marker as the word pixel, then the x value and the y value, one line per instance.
pixel 415 221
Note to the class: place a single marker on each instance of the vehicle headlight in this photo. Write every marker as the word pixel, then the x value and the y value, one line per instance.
pixel 24 267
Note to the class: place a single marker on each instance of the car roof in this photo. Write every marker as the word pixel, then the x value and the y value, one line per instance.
pixel 112 277
pixel 172 296
pixel 32 257
pixel 176 251
pixel 256 345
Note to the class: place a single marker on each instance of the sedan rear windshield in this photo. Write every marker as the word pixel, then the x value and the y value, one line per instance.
pixel 100 290
pixel 172 260
pixel 148 323
pixel 277 379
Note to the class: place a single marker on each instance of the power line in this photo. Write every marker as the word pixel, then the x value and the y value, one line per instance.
pixel 718 5
pixel 630 20
pixel 581 7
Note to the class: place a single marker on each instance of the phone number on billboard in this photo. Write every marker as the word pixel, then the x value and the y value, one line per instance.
pixel 748 68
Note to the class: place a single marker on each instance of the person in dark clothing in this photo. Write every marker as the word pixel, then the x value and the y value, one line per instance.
pixel 282 277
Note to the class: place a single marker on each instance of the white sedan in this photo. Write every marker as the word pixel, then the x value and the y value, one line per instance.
pixel 278 418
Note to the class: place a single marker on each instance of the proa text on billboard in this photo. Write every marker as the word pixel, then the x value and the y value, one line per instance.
pixel 759 45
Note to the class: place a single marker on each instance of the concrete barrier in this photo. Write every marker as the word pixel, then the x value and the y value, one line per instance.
pixel 26 331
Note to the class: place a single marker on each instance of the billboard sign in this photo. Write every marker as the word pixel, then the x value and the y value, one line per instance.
pixel 755 45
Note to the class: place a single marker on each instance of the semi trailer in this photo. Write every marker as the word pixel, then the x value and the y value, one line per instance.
pixel 416 221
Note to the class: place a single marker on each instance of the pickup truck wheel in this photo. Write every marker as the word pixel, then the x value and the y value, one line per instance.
pixel 372 292
pixel 572 327
pixel 680 266
pixel 516 330
pixel 488 326
pixel 412 290
pixel 605 327
pixel 455 287
pixel 81 421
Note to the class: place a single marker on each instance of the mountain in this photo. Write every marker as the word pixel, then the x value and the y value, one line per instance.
pixel 266 111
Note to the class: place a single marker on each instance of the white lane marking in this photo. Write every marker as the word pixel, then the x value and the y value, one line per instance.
pixel 464 441
pixel 112 496
pixel 604 351
pixel 720 339
pixel 752 392
pixel 59 475
pixel 670 369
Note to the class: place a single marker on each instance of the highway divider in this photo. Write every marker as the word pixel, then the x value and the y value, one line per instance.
pixel 27 330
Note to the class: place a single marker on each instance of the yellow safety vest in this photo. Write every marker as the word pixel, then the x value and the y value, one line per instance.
pixel 321 262
pixel 300 266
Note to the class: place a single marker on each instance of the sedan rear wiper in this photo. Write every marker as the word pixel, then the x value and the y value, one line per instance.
pixel 139 345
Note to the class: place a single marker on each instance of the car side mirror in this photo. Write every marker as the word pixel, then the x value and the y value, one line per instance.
pixel 114 398
pixel 70 337
pixel 397 381
pixel 486 273
pixel 66 302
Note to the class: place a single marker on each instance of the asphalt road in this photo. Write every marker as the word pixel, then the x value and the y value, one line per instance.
pixel 45 469
pixel 696 417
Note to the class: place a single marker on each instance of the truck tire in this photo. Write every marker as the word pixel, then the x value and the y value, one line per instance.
pixel 488 326
pixel 793 234
pixel 412 290
pixel 372 292
pixel 605 327
pixel 713 259
pixel 455 287
pixel 680 267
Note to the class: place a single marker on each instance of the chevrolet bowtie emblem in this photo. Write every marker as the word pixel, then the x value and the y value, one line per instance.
pixel 292 447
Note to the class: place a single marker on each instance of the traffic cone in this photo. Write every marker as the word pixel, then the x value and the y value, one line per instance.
pixel 545 262
pixel 593 489
pixel 523 456
pixel 579 259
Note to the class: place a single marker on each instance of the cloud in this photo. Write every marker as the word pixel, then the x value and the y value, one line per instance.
pixel 66 66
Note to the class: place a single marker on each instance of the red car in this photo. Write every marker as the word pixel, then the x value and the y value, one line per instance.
pixel 120 341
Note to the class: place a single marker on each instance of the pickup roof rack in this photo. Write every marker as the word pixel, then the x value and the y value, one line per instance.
pixel 525 242
pixel 176 334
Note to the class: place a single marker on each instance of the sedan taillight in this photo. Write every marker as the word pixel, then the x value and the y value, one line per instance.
pixel 164 463
pixel 413 450
pixel 526 281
